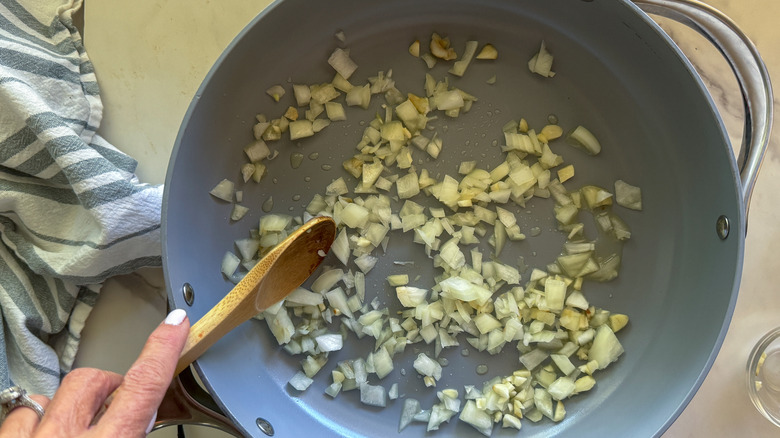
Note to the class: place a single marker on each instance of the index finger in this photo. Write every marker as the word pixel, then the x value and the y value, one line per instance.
pixel 136 400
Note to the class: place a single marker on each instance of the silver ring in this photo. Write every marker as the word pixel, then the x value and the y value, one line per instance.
pixel 14 397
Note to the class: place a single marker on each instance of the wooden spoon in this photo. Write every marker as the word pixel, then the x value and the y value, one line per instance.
pixel 277 274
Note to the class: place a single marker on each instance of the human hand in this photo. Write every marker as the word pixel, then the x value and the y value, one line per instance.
pixel 84 391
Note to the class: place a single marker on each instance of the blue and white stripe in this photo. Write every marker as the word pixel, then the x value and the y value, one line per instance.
pixel 72 212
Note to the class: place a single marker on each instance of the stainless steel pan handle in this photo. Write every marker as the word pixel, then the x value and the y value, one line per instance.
pixel 748 67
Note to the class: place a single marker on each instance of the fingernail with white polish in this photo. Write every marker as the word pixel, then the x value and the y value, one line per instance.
pixel 176 317
pixel 154 418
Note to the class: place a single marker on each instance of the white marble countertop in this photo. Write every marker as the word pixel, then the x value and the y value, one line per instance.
pixel 148 67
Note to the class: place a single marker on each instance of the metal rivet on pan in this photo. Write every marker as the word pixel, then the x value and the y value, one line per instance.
pixel 265 426
pixel 188 292
pixel 722 227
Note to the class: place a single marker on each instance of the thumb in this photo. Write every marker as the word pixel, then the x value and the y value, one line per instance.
pixel 136 400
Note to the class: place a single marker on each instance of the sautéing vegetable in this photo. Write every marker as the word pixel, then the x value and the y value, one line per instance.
pixel 560 338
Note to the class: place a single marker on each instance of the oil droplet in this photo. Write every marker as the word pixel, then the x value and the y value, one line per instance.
pixel 552 119
pixel 465 352
pixel 482 369
pixel 443 361
pixel 268 205
pixel 535 231
pixel 275 180
pixel 296 197
pixel 326 167
pixel 403 371
pixel 295 159
pixel 307 178
pixel 291 208
pixel 314 155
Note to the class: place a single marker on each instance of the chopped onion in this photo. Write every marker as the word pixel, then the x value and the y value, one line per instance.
pixel 342 63
pixel 541 62
pixel 224 190
pixel 584 139
pixel 477 418
pixel 627 195
pixel 329 342
pixel 373 395
pixel 229 264
pixel 301 129
pixel 300 382
pixel 427 366
pixel 459 67
pixel 304 297
pixel 276 92
pixel 239 211
pixel 327 280
pixel 410 408
pixel 411 296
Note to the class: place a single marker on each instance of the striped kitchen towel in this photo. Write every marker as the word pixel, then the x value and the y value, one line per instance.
pixel 72 213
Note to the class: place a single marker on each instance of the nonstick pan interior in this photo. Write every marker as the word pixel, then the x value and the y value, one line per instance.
pixel 616 74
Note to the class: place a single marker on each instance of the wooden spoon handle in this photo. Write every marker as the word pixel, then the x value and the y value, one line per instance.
pixel 249 297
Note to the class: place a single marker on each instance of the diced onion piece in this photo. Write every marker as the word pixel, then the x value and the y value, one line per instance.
pixel 551 132
pixel 239 211
pixel 224 190
pixel 337 187
pixel 408 186
pixel 566 173
pixel 340 246
pixel 383 363
pixel 274 223
pixel 541 63
pixel 627 195
pixel 304 297
pixel 439 414
pixel 488 51
pixel 281 326
pixel 329 342
pixel 338 300
pixel 410 296
pixel 457 288
pixel 440 48
pixel 392 393
pixel 335 111
pixel 342 63
pixel 276 92
pixel 414 50
pixel 366 262
pixel 581 137
pixel 333 389
pixel 410 408
pixel 606 348
pixel 327 280
pixel 257 151
pixel 301 129
pixel 354 216
pixel 359 96
pixel 398 280
pixel 427 366
pixel 300 381
pixel 429 60
pixel 373 395
pixel 478 418
pixel 302 94
pixel 230 263
pixel 448 100
pixel 459 67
